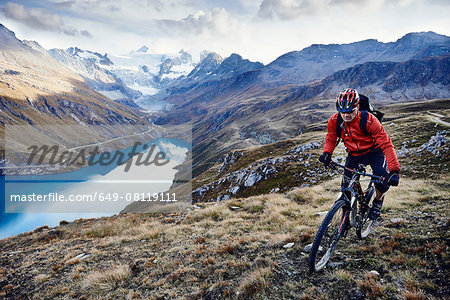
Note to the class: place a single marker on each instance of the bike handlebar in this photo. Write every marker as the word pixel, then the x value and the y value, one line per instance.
pixel 378 179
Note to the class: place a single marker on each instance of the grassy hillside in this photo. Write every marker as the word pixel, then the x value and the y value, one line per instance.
pixel 234 249
pixel 239 248
pixel 290 163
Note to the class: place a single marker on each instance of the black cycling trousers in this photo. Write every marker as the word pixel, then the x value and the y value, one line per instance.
pixel 377 161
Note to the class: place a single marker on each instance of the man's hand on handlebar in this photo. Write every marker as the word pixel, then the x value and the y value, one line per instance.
pixel 392 179
pixel 325 158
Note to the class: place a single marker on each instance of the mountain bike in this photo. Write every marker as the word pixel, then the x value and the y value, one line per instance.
pixel 351 209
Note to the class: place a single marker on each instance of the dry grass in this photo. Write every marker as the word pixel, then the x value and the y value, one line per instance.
pixel 280 239
pixel 344 275
pixel 41 278
pixel 213 212
pixel 439 249
pixel 229 246
pixel 99 283
pixel 388 245
pixel 412 191
pixel 254 283
pixel 398 260
pixel 318 195
pixel 108 228
pixel 148 231
pixel 216 251
pixel 370 285
pixel 414 295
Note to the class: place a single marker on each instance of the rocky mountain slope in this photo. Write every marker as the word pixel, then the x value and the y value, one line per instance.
pixel 145 78
pixel 213 68
pixel 419 131
pixel 424 78
pixel 263 106
pixel 93 67
pixel 318 61
pixel 256 247
pixel 36 90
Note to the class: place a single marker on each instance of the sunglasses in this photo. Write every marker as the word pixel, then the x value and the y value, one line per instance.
pixel 349 113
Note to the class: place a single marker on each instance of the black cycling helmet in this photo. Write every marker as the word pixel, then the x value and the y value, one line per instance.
pixel 347 101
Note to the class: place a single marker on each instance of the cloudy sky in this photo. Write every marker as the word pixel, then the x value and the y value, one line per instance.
pixel 257 29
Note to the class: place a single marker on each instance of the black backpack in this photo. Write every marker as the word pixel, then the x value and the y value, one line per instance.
pixel 364 107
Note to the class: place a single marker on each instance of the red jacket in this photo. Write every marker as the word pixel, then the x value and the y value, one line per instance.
pixel 359 143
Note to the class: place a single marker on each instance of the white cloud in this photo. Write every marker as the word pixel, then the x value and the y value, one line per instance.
pixel 166 26
pixel 216 21
pixel 105 6
pixel 34 17
pixel 39 18
pixel 287 9
pixel 63 4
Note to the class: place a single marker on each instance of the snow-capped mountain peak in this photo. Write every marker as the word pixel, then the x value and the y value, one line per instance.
pixel 89 55
pixel 143 49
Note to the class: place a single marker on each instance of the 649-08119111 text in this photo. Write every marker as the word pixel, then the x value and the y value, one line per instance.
pixel 150 197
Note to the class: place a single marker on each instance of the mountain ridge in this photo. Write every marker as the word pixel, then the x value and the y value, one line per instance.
pixel 260 106
pixel 37 90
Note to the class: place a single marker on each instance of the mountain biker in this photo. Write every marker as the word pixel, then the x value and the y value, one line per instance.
pixel 375 149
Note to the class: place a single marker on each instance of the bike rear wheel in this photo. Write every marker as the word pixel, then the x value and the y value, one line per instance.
pixel 330 231
pixel 366 224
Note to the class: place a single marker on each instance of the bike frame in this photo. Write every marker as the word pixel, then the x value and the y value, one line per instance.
pixel 356 193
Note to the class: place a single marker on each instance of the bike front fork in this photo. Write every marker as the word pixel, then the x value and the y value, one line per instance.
pixel 345 225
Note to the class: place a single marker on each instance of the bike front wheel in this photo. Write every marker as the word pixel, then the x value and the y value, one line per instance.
pixel 330 231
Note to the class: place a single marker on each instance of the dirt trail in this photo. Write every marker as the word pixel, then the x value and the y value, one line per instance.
pixel 434 117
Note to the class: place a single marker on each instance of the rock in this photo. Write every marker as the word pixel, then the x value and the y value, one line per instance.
pixel 288 245
pixel 234 190
pixel 253 178
pixel 229 160
pixel 234 207
pixel 398 221
pixel 374 272
pixel 435 143
pixel 85 256
pixel 335 264
pixel 322 213
pixel 82 256
pixel 308 247
pixel 305 147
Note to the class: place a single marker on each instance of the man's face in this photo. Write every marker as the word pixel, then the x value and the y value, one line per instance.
pixel 348 117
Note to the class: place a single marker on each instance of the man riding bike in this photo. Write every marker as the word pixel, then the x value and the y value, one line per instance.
pixel 374 149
